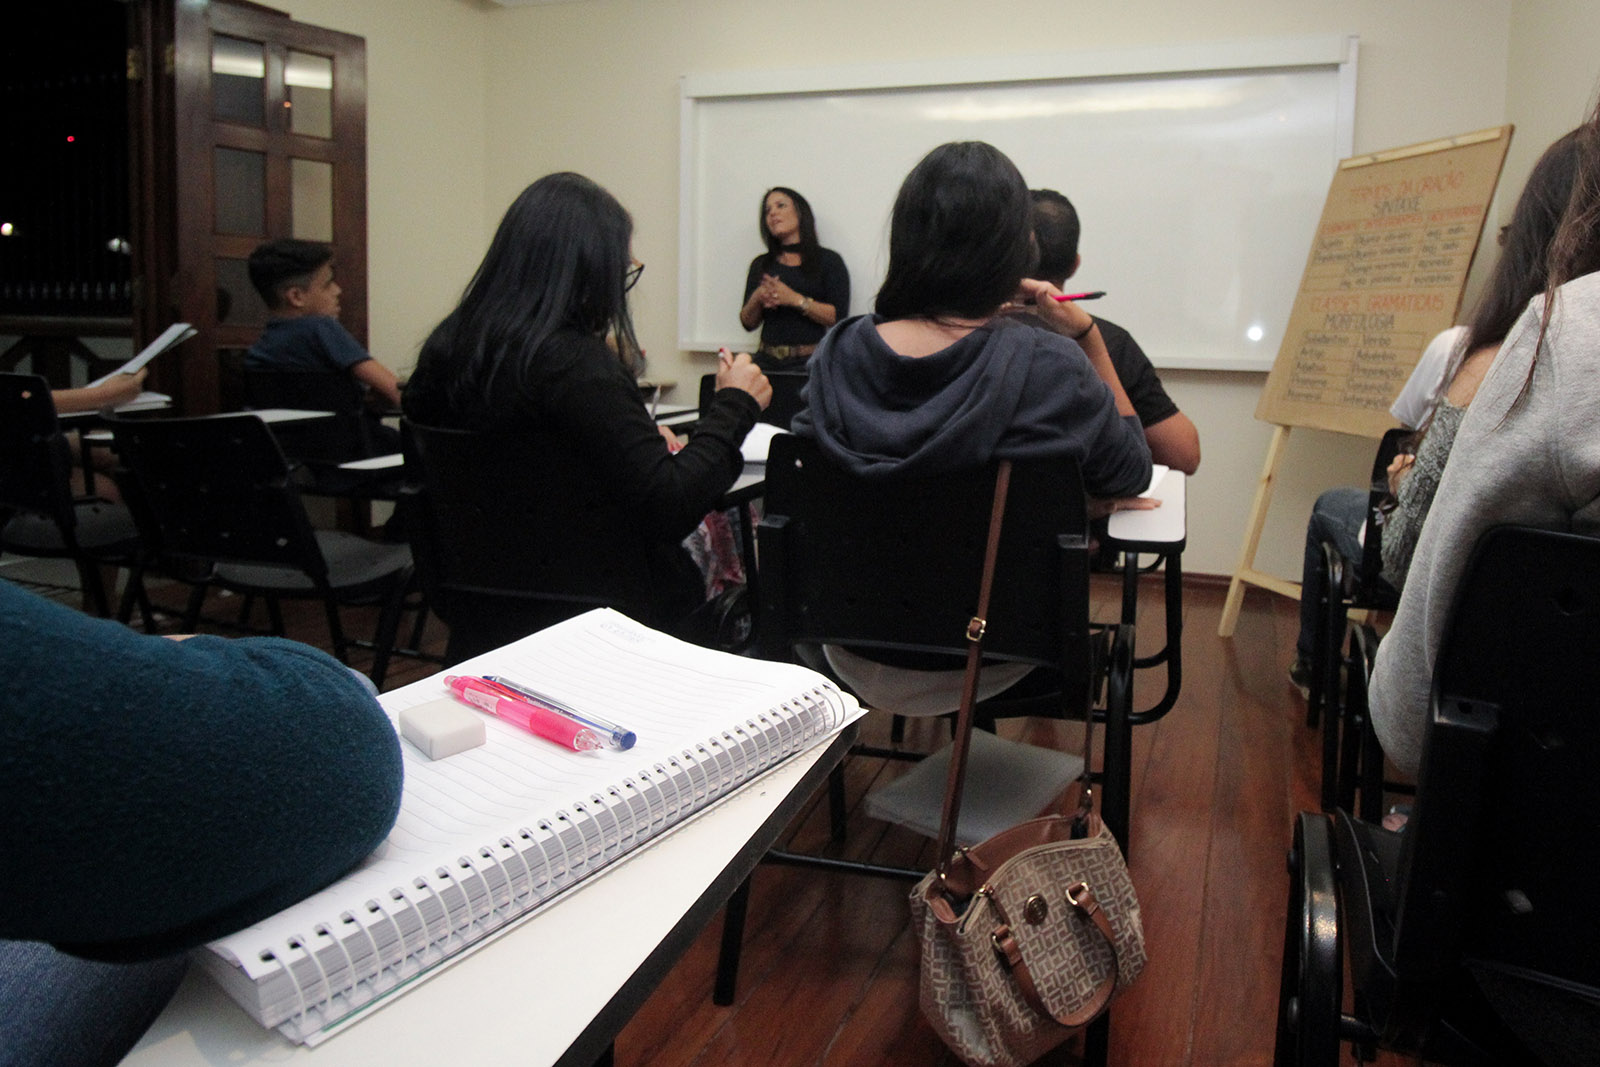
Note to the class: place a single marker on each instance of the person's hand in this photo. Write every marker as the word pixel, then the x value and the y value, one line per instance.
pixel 673 444
pixel 120 389
pixel 1100 507
pixel 1062 316
pixel 780 294
pixel 1399 467
pixel 740 372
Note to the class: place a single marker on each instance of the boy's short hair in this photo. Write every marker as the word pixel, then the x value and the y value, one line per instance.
pixel 277 265
pixel 1055 227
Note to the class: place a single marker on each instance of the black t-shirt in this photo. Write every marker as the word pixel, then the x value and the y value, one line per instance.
pixel 1138 377
pixel 787 325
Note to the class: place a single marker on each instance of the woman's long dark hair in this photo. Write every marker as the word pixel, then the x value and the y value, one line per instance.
pixel 960 237
pixel 808 247
pixel 1575 251
pixel 558 260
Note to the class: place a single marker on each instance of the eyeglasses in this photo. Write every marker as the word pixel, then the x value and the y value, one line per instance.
pixel 630 277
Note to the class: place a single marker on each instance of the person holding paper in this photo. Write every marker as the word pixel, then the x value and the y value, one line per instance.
pixel 524 357
pixel 159 794
pixel 796 289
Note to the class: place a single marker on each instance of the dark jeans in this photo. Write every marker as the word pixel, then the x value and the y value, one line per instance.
pixel 1337 518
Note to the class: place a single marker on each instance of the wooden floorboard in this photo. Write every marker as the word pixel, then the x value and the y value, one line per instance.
pixel 829 974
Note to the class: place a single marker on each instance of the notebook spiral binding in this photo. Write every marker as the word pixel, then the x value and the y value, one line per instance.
pixel 344 966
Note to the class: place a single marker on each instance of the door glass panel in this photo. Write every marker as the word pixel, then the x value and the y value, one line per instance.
pixel 238 80
pixel 309 80
pixel 241 191
pixel 238 303
pixel 311 199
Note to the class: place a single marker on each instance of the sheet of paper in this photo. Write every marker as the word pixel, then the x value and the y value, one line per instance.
pixel 175 334
pixel 758 442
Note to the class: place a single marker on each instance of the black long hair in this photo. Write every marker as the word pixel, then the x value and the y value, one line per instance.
pixel 960 236
pixel 808 247
pixel 1575 250
pixel 558 260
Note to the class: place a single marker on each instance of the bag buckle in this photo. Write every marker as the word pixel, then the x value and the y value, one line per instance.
pixel 976 628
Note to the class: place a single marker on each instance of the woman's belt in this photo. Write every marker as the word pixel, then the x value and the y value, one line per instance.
pixel 788 351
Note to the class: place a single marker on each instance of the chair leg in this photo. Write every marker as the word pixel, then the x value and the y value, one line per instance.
pixel 836 803
pixel 93 587
pixel 330 606
pixel 275 615
pixel 191 611
pixel 727 979
pixel 1327 667
pixel 1352 722
pixel 1117 769
pixel 1311 982
pixel 387 634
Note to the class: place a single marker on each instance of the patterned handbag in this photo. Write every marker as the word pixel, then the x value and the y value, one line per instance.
pixel 1027 936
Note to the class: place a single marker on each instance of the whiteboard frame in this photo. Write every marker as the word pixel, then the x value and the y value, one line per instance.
pixel 1321 51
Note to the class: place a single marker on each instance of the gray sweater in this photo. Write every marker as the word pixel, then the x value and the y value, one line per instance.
pixel 1533 462
pixel 1005 390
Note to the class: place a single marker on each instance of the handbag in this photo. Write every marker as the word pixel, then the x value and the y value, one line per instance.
pixel 1026 937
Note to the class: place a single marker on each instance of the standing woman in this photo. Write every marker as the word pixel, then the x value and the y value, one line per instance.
pixel 797 288
pixel 524 357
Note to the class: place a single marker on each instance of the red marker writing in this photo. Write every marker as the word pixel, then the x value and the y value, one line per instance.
pixel 550 725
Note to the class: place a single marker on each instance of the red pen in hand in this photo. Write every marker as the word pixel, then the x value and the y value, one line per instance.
pixel 550 725
pixel 1064 297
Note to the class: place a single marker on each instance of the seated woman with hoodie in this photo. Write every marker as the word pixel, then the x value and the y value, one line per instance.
pixel 936 380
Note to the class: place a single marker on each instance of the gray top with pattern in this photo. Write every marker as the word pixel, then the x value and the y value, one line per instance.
pixel 1416 492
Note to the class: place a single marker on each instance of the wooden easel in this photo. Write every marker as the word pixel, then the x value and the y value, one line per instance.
pixel 1386 269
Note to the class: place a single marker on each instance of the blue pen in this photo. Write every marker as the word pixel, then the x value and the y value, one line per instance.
pixel 622 737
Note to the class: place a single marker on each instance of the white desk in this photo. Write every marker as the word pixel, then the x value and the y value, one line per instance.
pixel 1159 529
pixel 1162 531
pixel 384 462
pixel 554 989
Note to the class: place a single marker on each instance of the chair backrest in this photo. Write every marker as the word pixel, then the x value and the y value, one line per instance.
pixel 35 460
pixel 893 566
pixel 516 552
pixel 786 402
pixel 215 489
pixel 1495 864
pixel 323 442
pixel 1369 574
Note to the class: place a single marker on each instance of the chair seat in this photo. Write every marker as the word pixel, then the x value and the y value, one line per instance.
pixel 353 563
pixel 102 529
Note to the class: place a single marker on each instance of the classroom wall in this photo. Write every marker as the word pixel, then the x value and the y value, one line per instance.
pixel 593 86
pixel 426 136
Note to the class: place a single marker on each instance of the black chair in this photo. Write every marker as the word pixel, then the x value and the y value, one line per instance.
pixel 351 433
pixel 576 545
pixel 216 503
pixel 786 402
pixel 39 513
pixel 1471 934
pixel 1348 586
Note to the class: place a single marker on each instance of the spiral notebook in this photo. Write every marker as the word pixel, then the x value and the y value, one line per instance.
pixel 488 835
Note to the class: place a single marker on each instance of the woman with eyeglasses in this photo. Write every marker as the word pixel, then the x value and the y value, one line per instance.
pixel 528 356
pixel 796 289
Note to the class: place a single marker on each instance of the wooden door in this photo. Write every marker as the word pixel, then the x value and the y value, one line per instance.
pixel 256 129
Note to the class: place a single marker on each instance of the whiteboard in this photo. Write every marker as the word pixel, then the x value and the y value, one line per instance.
pixel 1199 174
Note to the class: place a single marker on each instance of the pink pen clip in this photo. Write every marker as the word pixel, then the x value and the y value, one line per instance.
pixel 550 725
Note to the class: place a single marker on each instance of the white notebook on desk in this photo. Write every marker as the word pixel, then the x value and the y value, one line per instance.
pixel 486 836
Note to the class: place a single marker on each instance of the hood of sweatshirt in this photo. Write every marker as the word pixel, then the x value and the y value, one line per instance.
pixel 879 413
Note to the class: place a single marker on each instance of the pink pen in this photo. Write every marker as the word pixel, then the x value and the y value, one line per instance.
pixel 1064 297
pixel 548 724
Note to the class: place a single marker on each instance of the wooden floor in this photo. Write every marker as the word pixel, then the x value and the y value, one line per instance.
pixel 829 971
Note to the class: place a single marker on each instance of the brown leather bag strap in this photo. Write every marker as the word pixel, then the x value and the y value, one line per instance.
pixel 969 683
pixel 1010 953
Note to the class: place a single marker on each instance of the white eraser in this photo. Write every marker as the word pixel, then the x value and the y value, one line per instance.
pixel 441 728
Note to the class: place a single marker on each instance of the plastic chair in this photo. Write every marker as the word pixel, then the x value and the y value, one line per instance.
pixel 352 432
pixel 215 501
pixel 1349 585
pixel 501 557
pixel 39 513
pixel 786 402
pixel 1471 935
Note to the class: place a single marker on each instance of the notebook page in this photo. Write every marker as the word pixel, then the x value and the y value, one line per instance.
pixel 672 694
